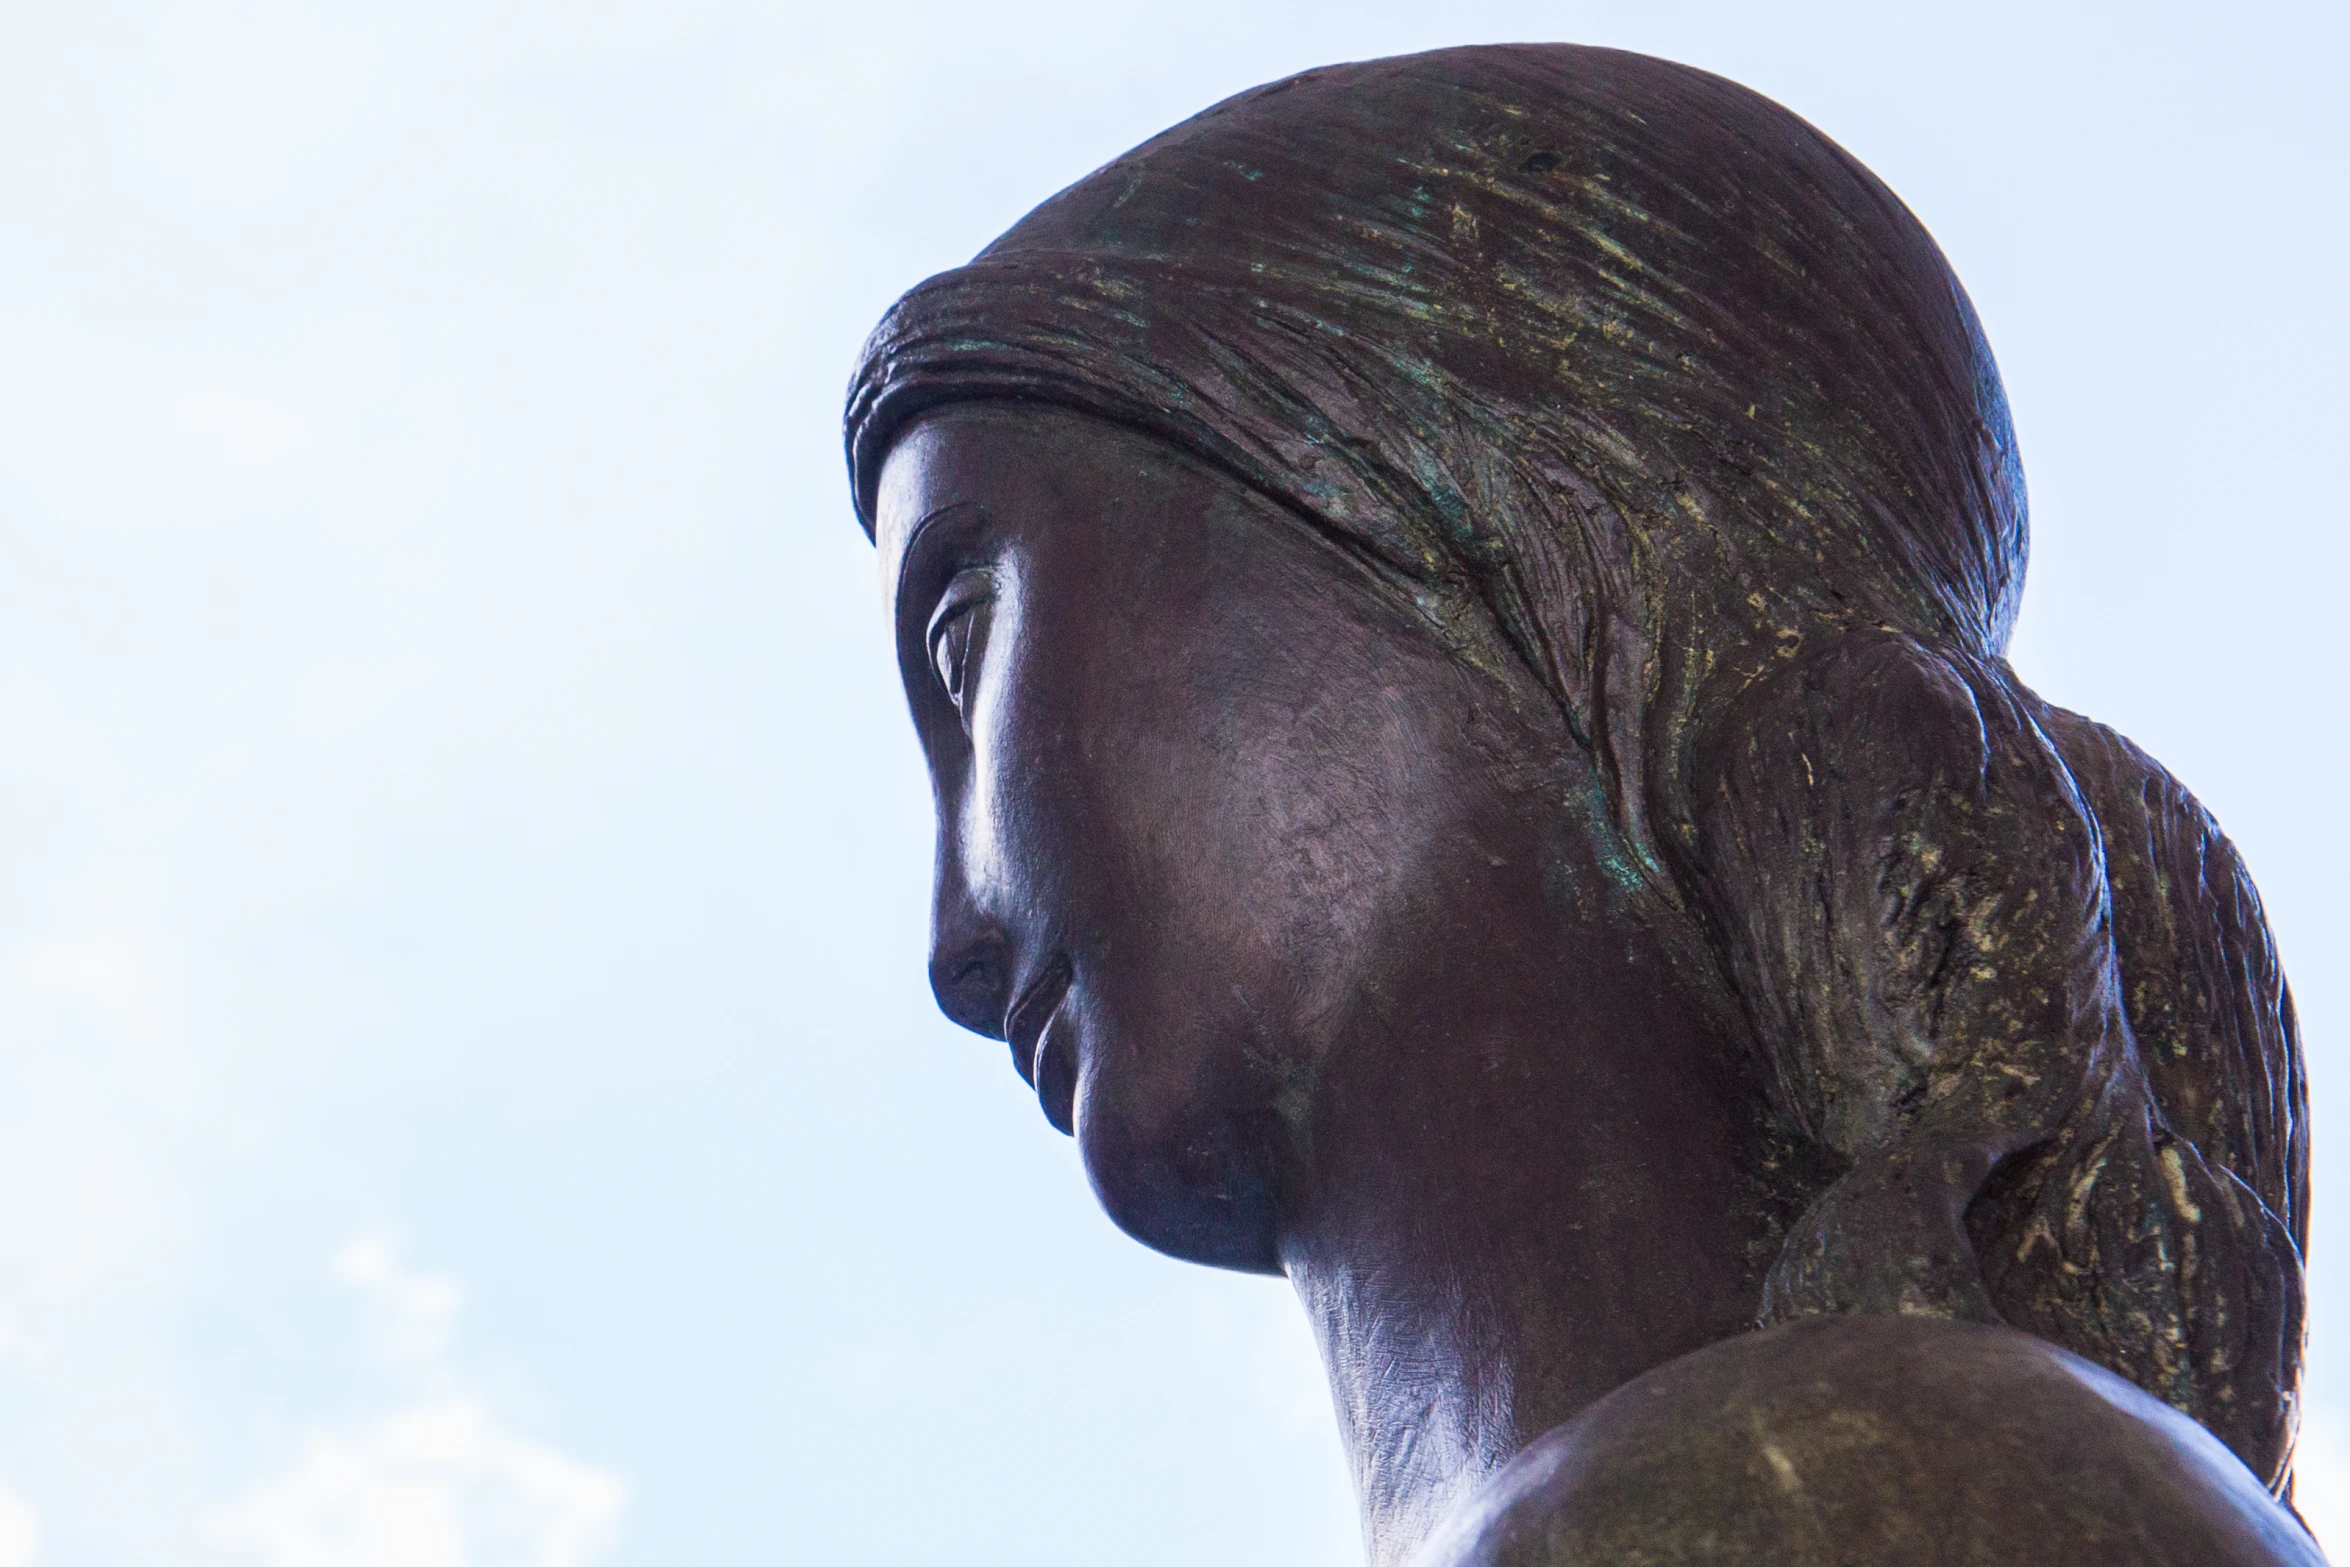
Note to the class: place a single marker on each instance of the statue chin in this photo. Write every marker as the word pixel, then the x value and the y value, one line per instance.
pixel 1204 1197
pixel 1885 1440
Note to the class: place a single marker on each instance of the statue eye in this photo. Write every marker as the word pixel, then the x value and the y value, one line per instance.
pixel 957 635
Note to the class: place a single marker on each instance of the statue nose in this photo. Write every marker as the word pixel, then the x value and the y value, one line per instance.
pixel 970 958
pixel 970 985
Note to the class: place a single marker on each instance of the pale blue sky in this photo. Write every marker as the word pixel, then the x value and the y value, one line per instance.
pixel 467 1092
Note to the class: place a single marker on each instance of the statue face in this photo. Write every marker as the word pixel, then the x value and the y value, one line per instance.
pixel 1225 837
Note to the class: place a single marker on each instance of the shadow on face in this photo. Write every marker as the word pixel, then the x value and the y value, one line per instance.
pixel 1250 870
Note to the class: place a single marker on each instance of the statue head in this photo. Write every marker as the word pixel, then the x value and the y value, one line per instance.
pixel 1540 526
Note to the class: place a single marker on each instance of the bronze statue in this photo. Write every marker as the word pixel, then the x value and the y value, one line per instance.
pixel 1455 607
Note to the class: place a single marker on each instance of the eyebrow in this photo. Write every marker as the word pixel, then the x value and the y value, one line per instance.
pixel 914 541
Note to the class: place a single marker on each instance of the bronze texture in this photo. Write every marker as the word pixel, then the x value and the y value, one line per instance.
pixel 1456 610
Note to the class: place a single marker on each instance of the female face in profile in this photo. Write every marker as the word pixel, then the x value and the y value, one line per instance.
pixel 1454 608
pixel 1274 900
pixel 1270 893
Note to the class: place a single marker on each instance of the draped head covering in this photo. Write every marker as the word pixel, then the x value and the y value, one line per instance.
pixel 1615 368
pixel 1513 318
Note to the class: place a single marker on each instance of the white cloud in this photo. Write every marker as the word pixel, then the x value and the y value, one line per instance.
pixel 410 1316
pixel 439 1482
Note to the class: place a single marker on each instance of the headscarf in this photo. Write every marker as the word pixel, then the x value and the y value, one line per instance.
pixel 1514 318
pixel 1618 369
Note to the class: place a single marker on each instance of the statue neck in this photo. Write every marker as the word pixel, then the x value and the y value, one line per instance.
pixel 1563 1201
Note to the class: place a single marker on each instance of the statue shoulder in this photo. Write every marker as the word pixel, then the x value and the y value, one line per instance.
pixel 1882 1440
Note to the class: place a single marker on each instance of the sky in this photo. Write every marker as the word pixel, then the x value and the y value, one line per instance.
pixel 468 1096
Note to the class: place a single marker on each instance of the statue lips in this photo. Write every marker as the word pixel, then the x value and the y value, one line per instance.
pixel 1027 1025
pixel 1056 1077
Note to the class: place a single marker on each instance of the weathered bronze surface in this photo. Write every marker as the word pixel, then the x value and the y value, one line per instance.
pixel 1455 608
